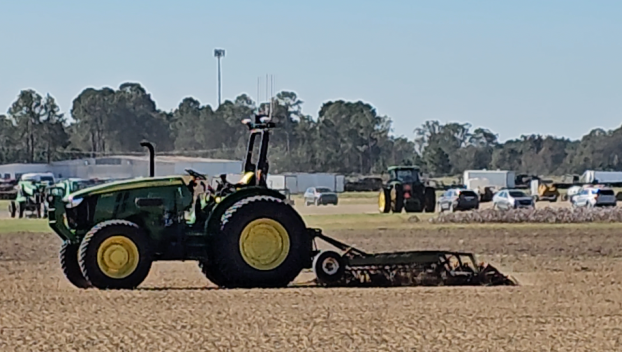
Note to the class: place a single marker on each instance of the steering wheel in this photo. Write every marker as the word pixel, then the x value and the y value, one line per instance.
pixel 195 174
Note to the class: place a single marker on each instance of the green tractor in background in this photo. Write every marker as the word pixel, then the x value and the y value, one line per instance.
pixel 405 190
pixel 31 195
pixel 242 235
pixel 72 185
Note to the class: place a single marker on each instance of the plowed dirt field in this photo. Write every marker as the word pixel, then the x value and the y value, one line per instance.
pixel 570 300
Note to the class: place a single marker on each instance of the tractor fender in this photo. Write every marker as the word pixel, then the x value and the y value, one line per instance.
pixel 213 222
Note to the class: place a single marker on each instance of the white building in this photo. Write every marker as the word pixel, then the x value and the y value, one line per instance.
pixel 120 167
pixel 298 182
pixel 123 166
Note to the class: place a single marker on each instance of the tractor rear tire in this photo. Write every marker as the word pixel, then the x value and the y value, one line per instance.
pixel 413 207
pixel 430 200
pixel 212 274
pixel 398 205
pixel 262 242
pixel 70 266
pixel 115 254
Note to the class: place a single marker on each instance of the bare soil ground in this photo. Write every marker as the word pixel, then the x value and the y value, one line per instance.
pixel 570 300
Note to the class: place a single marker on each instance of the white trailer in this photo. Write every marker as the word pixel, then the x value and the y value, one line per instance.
pixel 298 183
pixel 498 178
pixel 486 182
pixel 590 176
pixel 281 182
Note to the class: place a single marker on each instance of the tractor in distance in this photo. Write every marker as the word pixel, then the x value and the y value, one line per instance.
pixel 406 190
pixel 31 193
pixel 72 185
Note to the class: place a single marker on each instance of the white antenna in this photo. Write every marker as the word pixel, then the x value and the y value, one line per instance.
pixel 267 90
pixel 271 94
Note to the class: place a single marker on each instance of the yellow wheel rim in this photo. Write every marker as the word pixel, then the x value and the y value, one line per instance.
pixel 117 257
pixel 264 244
pixel 381 201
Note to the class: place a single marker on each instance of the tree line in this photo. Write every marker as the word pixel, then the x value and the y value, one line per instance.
pixel 346 137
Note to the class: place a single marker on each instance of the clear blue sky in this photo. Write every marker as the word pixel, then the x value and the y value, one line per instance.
pixel 516 67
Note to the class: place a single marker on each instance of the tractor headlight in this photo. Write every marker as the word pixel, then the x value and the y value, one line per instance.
pixel 73 202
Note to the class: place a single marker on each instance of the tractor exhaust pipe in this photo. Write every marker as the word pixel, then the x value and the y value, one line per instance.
pixel 149 146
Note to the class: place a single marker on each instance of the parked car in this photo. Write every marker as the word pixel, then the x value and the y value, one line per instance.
pixel 594 197
pixel 512 199
pixel 320 196
pixel 458 199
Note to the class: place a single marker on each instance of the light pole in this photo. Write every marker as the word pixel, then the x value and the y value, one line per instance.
pixel 219 53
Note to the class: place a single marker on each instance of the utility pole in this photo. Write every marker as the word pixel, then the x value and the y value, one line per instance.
pixel 219 53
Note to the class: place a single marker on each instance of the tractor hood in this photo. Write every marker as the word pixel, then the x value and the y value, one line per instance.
pixel 124 185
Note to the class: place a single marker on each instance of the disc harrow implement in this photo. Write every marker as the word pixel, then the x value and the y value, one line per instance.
pixel 356 268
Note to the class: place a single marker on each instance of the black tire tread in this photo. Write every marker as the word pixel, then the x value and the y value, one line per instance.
pixel 71 268
pixel 212 273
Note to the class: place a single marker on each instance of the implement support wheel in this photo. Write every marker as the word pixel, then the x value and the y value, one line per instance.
pixel 329 268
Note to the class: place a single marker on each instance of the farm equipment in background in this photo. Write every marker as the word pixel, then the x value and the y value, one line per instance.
pixel 8 191
pixel 406 190
pixel 243 235
pixel 31 195
pixel 487 182
pixel 544 190
pixel 364 184
pixel 288 196
pixel 71 185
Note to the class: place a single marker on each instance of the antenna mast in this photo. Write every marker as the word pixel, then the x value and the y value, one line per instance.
pixel 268 106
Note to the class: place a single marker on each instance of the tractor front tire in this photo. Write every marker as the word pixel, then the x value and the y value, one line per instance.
pixel 262 242
pixel 21 208
pixel 70 266
pixel 39 210
pixel 384 200
pixel 115 254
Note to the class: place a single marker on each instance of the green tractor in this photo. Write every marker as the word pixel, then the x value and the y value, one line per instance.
pixel 31 193
pixel 406 190
pixel 242 235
